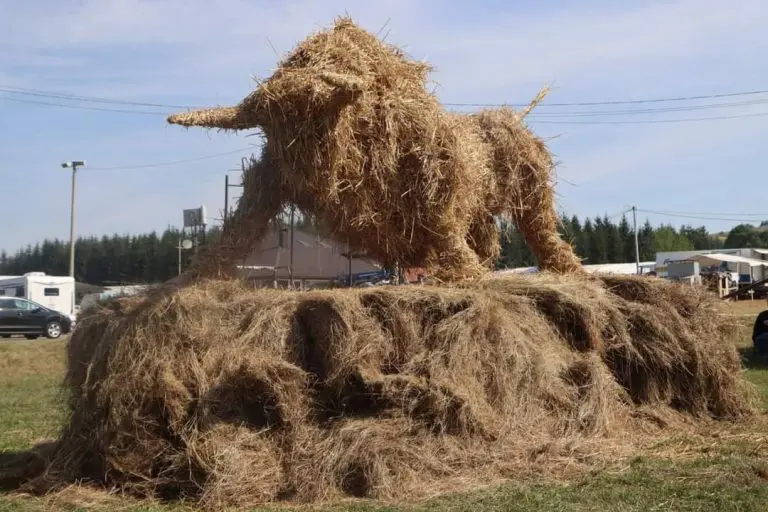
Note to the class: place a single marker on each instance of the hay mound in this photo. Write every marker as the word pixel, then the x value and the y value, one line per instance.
pixel 353 138
pixel 229 396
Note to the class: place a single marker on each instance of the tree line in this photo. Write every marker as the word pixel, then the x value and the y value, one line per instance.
pixel 153 257
pixel 601 240
pixel 106 260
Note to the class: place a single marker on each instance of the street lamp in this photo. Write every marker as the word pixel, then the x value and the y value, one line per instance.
pixel 74 165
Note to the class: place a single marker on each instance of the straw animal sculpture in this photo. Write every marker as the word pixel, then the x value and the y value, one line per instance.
pixel 353 137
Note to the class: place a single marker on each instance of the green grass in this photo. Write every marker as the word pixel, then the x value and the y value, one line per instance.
pixel 757 372
pixel 30 397
pixel 729 476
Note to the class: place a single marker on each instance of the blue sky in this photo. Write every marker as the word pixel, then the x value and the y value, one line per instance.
pixel 204 52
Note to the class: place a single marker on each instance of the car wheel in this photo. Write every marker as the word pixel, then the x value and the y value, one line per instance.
pixel 53 330
pixel 6 335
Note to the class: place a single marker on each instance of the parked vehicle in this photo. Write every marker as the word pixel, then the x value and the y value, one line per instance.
pixel 55 293
pixel 22 317
pixel 109 292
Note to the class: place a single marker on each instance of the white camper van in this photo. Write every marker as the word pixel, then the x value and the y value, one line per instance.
pixel 54 292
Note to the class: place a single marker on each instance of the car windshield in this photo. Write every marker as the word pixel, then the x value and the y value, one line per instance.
pixel 22 304
pixel 35 305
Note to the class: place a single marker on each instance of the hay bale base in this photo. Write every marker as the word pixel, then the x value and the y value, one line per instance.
pixel 234 397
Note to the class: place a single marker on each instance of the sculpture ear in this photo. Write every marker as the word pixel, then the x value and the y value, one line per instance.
pixel 345 88
pixel 348 83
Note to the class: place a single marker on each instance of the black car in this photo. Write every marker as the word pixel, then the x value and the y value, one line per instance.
pixel 26 318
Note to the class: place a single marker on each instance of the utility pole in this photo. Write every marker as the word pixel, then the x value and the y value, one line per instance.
pixel 226 197
pixel 637 244
pixel 290 268
pixel 227 186
pixel 74 165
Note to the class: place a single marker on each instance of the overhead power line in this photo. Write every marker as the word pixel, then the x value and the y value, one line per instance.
pixel 617 102
pixel 75 97
pixel 90 99
pixel 163 164
pixel 676 212
pixel 83 107
pixel 550 119
pixel 686 108
pixel 538 117
pixel 619 214
pixel 699 217
pixel 660 121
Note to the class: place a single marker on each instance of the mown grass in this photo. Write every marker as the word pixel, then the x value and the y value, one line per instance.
pixel 747 307
pixel 30 396
pixel 730 475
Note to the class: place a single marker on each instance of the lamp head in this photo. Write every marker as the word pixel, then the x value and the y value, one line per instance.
pixel 74 163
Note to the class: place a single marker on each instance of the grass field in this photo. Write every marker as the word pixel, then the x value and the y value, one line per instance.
pixel 748 307
pixel 727 474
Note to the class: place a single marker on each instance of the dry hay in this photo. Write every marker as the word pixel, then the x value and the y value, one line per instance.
pixel 353 137
pixel 227 396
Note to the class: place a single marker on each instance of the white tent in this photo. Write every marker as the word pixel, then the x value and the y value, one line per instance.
pixel 755 269
pixel 605 268
pixel 714 259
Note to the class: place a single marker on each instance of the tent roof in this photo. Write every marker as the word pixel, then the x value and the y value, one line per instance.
pixel 731 258
pixel 602 268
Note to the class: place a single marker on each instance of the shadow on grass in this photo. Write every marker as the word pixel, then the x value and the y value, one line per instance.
pixel 753 360
pixel 18 467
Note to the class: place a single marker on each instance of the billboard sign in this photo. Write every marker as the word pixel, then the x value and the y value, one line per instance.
pixel 194 218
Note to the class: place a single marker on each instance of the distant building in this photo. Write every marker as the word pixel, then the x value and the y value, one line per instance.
pixel 317 261
pixel 748 265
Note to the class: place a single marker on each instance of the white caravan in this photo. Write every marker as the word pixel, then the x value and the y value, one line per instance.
pixel 54 292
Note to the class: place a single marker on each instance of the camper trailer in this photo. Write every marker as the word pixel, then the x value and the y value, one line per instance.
pixel 53 292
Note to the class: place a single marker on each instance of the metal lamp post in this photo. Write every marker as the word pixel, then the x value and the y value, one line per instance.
pixel 74 165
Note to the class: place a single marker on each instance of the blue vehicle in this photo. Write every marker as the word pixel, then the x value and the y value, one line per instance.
pixel 365 277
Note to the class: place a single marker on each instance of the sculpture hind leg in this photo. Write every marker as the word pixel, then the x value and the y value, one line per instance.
pixel 537 220
pixel 484 240
pixel 522 168
pixel 457 262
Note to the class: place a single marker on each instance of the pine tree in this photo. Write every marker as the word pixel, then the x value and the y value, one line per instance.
pixel 627 235
pixel 514 251
pixel 588 242
pixel 645 242
pixel 600 245
pixel 615 242
pixel 577 236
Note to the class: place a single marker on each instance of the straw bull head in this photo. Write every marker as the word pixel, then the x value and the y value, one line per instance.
pixel 336 89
